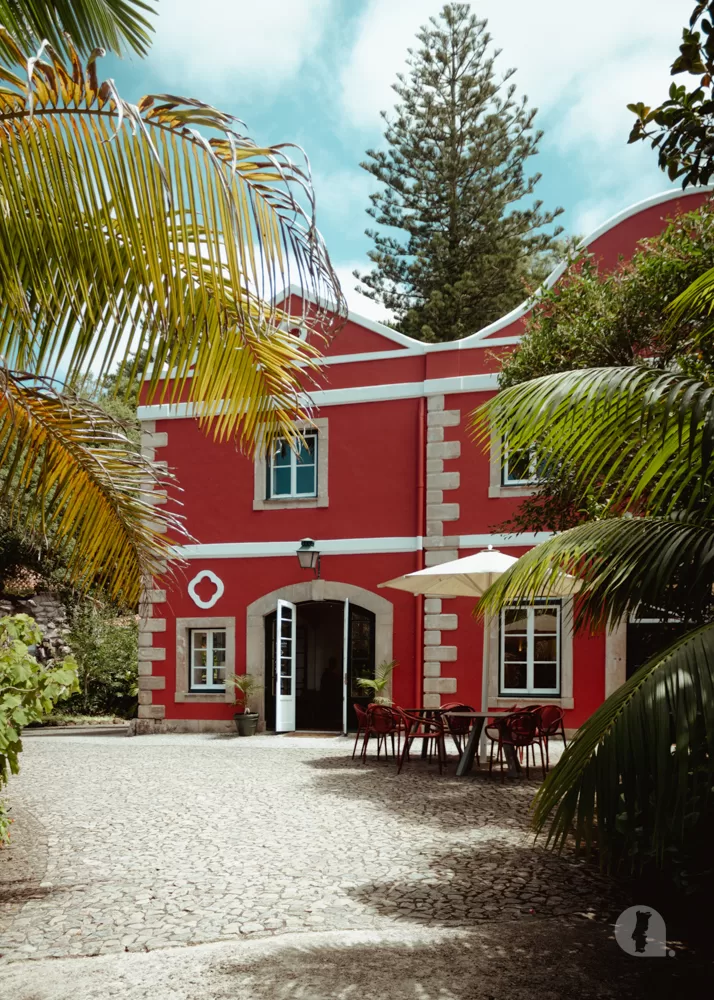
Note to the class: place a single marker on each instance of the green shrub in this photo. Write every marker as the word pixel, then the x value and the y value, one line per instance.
pixel 28 691
pixel 105 646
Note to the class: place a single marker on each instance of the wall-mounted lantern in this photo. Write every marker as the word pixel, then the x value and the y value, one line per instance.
pixel 308 556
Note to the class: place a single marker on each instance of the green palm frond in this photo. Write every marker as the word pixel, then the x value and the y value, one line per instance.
pixel 89 23
pixel 638 438
pixel 666 563
pixel 639 770
pixel 696 304
pixel 69 472
pixel 157 231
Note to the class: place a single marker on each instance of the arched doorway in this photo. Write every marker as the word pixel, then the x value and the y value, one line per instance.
pixel 321 644
pixel 321 608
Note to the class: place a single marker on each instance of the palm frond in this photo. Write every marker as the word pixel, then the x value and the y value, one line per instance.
pixel 91 24
pixel 621 563
pixel 638 773
pixel 621 433
pixel 696 304
pixel 157 231
pixel 71 475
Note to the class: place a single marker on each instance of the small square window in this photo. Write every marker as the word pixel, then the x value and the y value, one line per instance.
pixel 293 473
pixel 208 660
pixel 520 467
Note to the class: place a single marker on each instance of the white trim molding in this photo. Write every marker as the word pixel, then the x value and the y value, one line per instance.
pixel 487 382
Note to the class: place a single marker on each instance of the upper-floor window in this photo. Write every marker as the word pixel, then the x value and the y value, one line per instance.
pixel 208 660
pixel 530 649
pixel 521 467
pixel 293 473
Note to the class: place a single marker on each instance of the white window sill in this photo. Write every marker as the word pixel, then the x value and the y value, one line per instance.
pixel 531 699
pixel 511 491
pixel 287 503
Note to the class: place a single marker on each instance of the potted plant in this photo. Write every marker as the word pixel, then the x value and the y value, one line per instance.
pixel 245 720
pixel 378 683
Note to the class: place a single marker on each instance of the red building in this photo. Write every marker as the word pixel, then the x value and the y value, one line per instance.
pixel 387 482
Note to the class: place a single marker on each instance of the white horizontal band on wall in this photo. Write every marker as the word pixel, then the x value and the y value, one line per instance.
pixel 353 394
pixel 347 546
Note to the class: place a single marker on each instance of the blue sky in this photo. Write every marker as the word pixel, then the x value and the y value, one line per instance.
pixel 318 72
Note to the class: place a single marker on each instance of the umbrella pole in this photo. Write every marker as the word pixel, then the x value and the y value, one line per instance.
pixel 484 687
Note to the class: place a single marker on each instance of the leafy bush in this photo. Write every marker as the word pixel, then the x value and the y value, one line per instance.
pixel 28 691
pixel 105 646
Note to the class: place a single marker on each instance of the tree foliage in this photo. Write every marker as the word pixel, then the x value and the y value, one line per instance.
pixel 455 188
pixel 104 644
pixel 621 318
pixel 28 691
pixel 681 129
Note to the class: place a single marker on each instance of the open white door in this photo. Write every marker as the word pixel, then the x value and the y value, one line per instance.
pixel 345 663
pixel 285 668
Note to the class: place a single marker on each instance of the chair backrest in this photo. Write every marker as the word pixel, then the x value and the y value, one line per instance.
pixel 551 719
pixel 532 708
pixel 520 728
pixel 458 725
pixel 382 719
pixel 361 714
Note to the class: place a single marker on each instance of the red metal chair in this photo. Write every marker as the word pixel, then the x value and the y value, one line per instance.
pixel 550 723
pixel 459 729
pixel 361 725
pixel 417 728
pixel 382 721
pixel 519 731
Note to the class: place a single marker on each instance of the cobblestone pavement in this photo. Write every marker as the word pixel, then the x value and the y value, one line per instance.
pixel 138 844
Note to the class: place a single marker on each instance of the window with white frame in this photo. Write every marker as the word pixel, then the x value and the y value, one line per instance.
pixel 293 473
pixel 208 660
pixel 530 657
pixel 520 467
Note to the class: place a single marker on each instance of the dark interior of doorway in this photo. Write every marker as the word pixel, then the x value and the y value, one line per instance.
pixel 319 646
pixel 646 638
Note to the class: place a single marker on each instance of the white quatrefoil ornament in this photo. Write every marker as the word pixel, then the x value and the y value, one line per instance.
pixel 206 574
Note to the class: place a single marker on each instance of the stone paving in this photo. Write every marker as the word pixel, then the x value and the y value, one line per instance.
pixel 138 844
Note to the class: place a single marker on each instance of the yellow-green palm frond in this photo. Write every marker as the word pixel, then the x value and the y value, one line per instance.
pixel 620 563
pixel 90 23
pixel 157 230
pixel 70 474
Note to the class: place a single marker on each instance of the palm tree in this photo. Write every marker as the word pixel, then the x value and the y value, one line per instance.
pixel 637 778
pixel 154 237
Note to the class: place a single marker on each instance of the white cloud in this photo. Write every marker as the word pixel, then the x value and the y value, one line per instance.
pixel 580 64
pixel 222 42
pixel 343 195
pixel 359 303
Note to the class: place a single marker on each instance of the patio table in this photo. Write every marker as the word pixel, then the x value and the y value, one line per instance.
pixel 466 761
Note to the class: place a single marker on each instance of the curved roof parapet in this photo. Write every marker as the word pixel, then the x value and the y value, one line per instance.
pixel 473 339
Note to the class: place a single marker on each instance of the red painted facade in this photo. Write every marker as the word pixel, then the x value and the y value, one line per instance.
pixel 382 493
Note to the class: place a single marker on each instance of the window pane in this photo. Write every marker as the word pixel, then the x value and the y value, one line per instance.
pixel 514 676
pixel 281 455
pixel 281 482
pixel 286 626
pixel 515 647
pixel 516 620
pixel 545 676
pixel 306 455
pixel 519 465
pixel 286 667
pixel 545 620
pixel 286 685
pixel 200 658
pixel 200 640
pixel 219 676
pixel 546 648
pixel 199 678
pixel 305 479
pixel 285 648
pixel 219 640
pixel 219 657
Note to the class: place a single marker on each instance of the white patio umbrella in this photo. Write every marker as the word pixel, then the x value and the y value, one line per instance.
pixel 467 577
